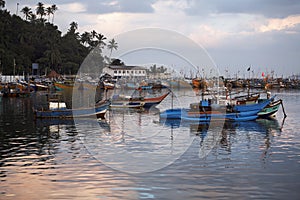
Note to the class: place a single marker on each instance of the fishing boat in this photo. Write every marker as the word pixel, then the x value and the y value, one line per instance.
pixel 271 109
pixel 62 86
pixel 199 83
pixel 7 92
pixel 122 101
pixel 58 109
pixel 145 87
pixel 108 85
pixel 153 101
pixel 247 99
pixel 206 111
pixel 126 104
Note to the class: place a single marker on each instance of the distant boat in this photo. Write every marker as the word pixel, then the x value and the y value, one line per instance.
pixel 145 87
pixel 62 86
pixel 108 85
pixel 15 90
pixel 58 109
pixel 199 83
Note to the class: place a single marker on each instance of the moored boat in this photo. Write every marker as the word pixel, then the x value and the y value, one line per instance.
pixel 270 110
pixel 121 101
pixel 124 104
pixel 58 109
pixel 62 86
pixel 204 111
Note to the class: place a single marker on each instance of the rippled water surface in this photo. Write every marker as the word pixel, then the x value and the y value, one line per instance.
pixel 49 159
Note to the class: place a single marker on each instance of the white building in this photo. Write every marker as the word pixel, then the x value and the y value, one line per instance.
pixel 117 71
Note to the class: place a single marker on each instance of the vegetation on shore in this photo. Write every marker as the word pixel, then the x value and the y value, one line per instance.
pixel 36 39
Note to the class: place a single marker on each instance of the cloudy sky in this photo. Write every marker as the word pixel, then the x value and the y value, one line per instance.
pixel 263 34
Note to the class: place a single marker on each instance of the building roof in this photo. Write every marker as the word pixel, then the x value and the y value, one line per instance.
pixel 125 67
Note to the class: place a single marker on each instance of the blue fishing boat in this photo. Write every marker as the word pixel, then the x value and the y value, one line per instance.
pixel 204 111
pixel 58 109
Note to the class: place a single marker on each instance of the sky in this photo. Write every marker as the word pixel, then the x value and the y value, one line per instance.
pixel 237 34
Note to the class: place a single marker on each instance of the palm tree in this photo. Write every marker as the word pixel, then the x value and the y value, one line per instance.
pixel 112 44
pixel 32 17
pixel 101 39
pixel 27 12
pixel 94 34
pixel 86 37
pixel 73 27
pixel 40 10
pixel 54 9
pixel 49 12
pixel 2 4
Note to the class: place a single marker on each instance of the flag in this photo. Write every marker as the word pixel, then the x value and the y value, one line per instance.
pixel 262 74
pixel 248 69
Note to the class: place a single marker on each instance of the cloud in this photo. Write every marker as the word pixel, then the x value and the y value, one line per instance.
pixel 281 24
pixel 73 7
pixel 236 33
pixel 121 6
pixel 267 8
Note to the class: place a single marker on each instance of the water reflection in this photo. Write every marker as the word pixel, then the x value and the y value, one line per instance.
pixel 50 159
pixel 231 132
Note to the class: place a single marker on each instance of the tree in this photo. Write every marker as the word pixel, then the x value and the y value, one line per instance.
pixel 2 4
pixel 154 69
pixel 32 17
pixel 85 38
pixel 40 10
pixel 112 44
pixel 49 12
pixel 54 9
pixel 93 34
pixel 27 12
pixel 34 42
pixel 73 27
pixel 100 37
pixel 117 62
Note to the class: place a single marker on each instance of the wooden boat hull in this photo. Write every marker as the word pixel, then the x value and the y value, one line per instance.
pixel 249 107
pixel 138 102
pixel 124 104
pixel 242 100
pixel 98 110
pixel 270 110
pixel 150 102
pixel 61 86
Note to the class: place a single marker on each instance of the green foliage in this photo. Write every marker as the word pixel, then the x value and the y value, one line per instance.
pixel 36 40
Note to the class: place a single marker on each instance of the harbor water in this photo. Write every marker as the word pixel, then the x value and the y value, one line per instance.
pixel 133 154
